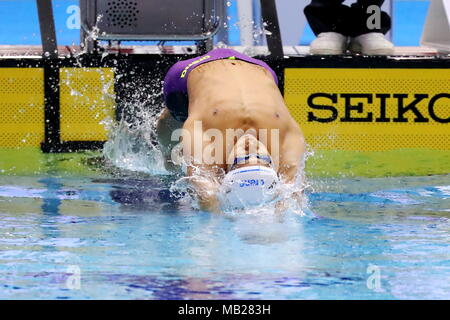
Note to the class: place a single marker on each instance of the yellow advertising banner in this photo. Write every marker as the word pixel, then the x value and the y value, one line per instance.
pixel 371 109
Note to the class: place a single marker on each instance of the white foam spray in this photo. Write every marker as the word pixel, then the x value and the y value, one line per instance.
pixel 132 144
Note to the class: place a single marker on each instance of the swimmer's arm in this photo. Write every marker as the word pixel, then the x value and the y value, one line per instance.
pixel 201 176
pixel 291 159
pixel 165 126
pixel 292 154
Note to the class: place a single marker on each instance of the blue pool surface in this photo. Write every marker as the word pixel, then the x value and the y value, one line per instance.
pixel 114 236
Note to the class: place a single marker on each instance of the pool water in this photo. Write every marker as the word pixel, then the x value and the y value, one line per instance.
pixel 109 234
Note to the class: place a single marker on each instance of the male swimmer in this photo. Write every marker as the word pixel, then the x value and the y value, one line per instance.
pixel 227 95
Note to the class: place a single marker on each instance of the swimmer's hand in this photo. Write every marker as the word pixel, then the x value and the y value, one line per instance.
pixel 210 205
pixel 282 205
pixel 206 190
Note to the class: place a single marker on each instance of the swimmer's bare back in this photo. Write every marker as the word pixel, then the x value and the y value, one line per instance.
pixel 234 94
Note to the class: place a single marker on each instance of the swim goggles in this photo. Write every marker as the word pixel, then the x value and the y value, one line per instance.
pixel 240 160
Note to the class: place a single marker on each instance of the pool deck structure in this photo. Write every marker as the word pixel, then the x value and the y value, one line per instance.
pixel 65 51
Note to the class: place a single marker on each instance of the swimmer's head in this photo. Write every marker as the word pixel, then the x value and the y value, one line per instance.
pixel 249 186
pixel 250 179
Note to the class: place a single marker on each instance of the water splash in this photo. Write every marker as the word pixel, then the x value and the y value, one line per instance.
pixel 288 199
pixel 132 149
pixel 132 144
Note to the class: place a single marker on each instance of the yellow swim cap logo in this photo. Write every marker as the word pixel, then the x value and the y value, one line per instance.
pixel 183 74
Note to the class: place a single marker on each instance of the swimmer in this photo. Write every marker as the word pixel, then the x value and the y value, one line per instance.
pixel 227 94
